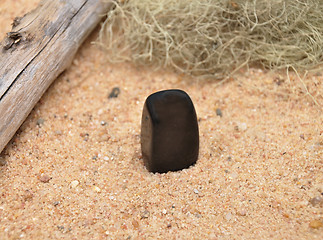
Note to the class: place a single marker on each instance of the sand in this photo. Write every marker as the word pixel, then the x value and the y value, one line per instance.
pixel 74 169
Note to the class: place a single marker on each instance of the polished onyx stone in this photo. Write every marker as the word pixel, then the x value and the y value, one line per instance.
pixel 169 132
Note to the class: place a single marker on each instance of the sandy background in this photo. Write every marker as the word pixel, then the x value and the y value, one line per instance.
pixel 74 169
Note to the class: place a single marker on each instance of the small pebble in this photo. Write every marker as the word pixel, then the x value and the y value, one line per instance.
pixel 74 184
pixel 40 121
pixel 103 123
pixel 3 162
pixel 135 224
pixel 61 228
pixel 218 112
pixel 145 214
pixel 28 196
pixel 316 201
pixel 56 203
pixel 97 189
pixel 45 178
pixel 112 197
pixel 85 136
pixel 242 212
pixel 196 191
pixel 58 132
pixel 241 126
pixel 286 215
pixel 316 224
pixel 164 211
pixel 228 216
pixel 278 81
pixel 114 93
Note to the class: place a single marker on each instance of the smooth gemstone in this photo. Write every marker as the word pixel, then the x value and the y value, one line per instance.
pixel 169 132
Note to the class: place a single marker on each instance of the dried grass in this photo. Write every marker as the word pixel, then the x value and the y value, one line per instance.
pixel 213 39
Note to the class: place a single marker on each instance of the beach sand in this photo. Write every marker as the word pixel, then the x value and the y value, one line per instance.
pixel 74 169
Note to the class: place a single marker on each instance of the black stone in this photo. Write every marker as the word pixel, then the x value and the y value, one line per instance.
pixel 169 132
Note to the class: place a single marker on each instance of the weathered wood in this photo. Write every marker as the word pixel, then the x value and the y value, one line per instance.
pixel 40 46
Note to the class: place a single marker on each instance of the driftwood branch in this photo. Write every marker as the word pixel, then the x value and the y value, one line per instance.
pixel 40 46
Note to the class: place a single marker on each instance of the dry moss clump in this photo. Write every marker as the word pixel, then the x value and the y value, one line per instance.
pixel 212 38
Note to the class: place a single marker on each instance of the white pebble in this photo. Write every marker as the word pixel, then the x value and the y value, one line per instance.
pixel 96 189
pixel 228 216
pixel 74 184
pixel 242 126
pixel 100 111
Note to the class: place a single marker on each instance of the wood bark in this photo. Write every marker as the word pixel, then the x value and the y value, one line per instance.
pixel 39 48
